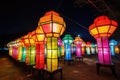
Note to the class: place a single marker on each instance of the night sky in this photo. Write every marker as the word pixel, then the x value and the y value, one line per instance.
pixel 18 17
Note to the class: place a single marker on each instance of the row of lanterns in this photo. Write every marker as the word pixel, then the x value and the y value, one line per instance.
pixel 50 27
pixel 45 43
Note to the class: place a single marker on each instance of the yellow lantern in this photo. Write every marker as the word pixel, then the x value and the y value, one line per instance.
pixel 53 26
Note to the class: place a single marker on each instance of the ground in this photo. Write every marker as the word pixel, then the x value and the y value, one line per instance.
pixel 86 70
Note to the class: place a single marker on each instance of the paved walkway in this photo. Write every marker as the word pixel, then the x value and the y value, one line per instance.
pixel 9 70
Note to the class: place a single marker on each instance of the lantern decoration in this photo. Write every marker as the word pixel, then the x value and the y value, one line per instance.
pixel 96 49
pixel 112 44
pixel 117 51
pixel 101 30
pixel 67 44
pixel 83 48
pixel 25 40
pixel 23 57
pixel 15 50
pixel 53 26
pixel 78 42
pixel 62 50
pixel 39 38
pixel 88 51
pixel 93 48
pixel 73 48
pixel 9 45
pixel 59 48
pixel 20 45
pixel 31 50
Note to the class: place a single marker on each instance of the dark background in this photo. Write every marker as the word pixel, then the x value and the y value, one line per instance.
pixel 18 17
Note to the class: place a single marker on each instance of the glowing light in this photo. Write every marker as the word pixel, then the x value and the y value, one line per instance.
pixel 101 30
pixel 53 26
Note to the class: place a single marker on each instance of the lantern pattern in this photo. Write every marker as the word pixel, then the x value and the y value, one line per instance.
pixel 67 44
pixel 112 44
pixel 101 30
pixel 53 26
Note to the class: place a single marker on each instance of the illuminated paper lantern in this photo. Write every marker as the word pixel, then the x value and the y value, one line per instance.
pixel 15 50
pixel 93 48
pixel 112 43
pixel 83 48
pixel 88 51
pixel 62 50
pixel 53 26
pixel 20 45
pixel 23 57
pixel 10 47
pixel 73 48
pixel 30 49
pixel 67 44
pixel 25 40
pixel 59 47
pixel 39 38
pixel 117 51
pixel 101 30
pixel 78 42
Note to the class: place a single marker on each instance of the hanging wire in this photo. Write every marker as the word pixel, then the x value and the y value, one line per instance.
pixel 74 22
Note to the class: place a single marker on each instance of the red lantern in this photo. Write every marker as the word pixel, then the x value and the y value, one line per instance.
pixel 39 37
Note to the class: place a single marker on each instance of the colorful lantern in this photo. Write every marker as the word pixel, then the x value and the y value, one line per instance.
pixel 101 30
pixel 15 50
pixel 23 57
pixel 30 49
pixel 59 47
pixel 39 38
pixel 67 44
pixel 117 51
pixel 88 48
pixel 78 42
pixel 83 48
pixel 93 48
pixel 25 40
pixel 10 47
pixel 112 43
pixel 53 26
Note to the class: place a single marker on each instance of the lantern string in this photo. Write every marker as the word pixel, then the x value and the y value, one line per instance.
pixel 74 22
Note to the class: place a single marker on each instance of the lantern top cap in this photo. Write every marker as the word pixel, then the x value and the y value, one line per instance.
pixel 78 38
pixel 68 37
pixel 52 13
pixel 99 18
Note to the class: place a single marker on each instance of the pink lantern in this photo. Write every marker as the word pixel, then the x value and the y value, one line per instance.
pixel 78 42
pixel 101 30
